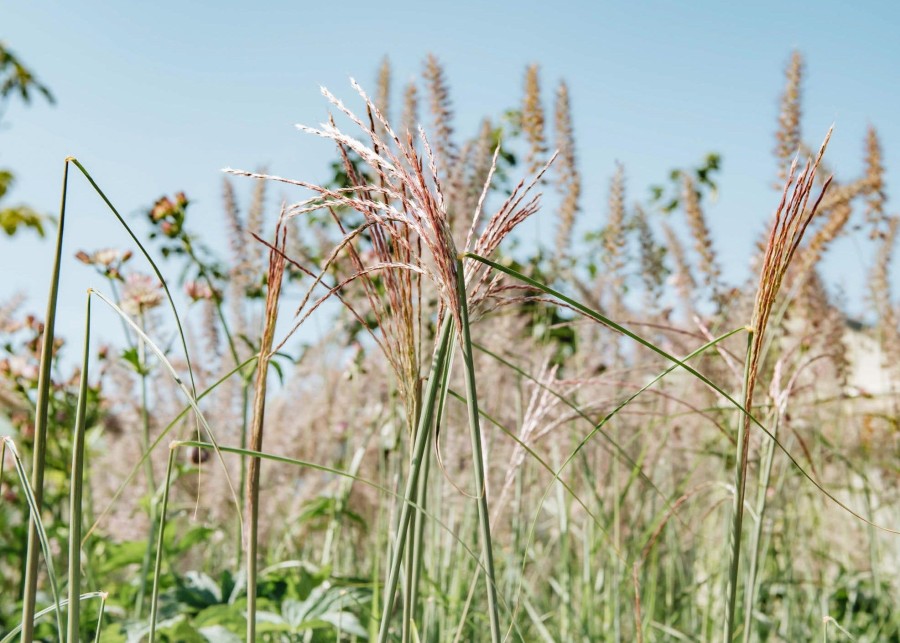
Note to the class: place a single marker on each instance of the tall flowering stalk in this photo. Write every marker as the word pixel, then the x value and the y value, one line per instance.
pixel 405 217
pixel 276 272
pixel 792 217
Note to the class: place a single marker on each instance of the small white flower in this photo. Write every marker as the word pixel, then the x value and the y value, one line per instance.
pixel 141 293
pixel 23 367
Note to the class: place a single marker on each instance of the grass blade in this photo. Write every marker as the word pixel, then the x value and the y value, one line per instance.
pixel 103 597
pixel 168 365
pixel 425 422
pixel 76 487
pixel 153 446
pixel 588 312
pixel 28 628
pixel 18 628
pixel 40 427
pixel 157 565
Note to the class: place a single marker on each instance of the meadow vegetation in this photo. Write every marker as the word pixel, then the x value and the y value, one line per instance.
pixel 597 438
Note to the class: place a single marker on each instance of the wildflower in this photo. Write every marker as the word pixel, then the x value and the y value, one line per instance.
pixel 108 261
pixel 20 367
pixel 111 256
pixel 198 290
pixel 141 293
pixel 162 209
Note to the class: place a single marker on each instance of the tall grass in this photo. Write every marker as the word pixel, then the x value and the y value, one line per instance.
pixel 582 492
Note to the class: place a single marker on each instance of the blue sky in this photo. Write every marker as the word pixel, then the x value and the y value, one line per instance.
pixel 157 97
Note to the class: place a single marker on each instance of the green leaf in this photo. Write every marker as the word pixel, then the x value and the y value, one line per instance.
pixel 11 219
pixel 198 590
pixel 16 78
pixel 131 357
pixel 6 181
pixel 119 555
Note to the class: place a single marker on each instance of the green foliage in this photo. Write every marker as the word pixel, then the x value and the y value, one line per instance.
pixel 11 219
pixel 297 601
pixel 548 324
pixel 667 197
pixel 18 80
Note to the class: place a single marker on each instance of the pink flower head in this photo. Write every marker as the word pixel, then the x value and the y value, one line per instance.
pixel 141 293
pixel 198 290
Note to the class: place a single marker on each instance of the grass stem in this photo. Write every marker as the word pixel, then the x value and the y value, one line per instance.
pixel 426 419
pixel 77 487
pixel 40 426
pixel 484 519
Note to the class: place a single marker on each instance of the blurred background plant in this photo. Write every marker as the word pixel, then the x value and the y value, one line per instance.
pixel 17 82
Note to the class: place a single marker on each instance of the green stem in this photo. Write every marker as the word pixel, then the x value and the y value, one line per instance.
pixel 148 471
pixel 157 566
pixel 740 472
pixel 425 421
pixel 40 427
pixel 276 271
pixel 245 408
pixel 422 495
pixel 75 495
pixel 755 548
pixel 41 532
pixel 145 410
pixel 148 558
pixel 484 519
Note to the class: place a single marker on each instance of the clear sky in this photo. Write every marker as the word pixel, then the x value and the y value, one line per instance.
pixel 155 97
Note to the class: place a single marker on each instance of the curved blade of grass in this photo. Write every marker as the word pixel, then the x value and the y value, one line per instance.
pixel 172 305
pixel 18 628
pixel 155 444
pixel 200 417
pixel 153 266
pixel 44 379
pixel 42 537
pixel 165 362
pixel 677 362
pixel 103 597
pixel 75 486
